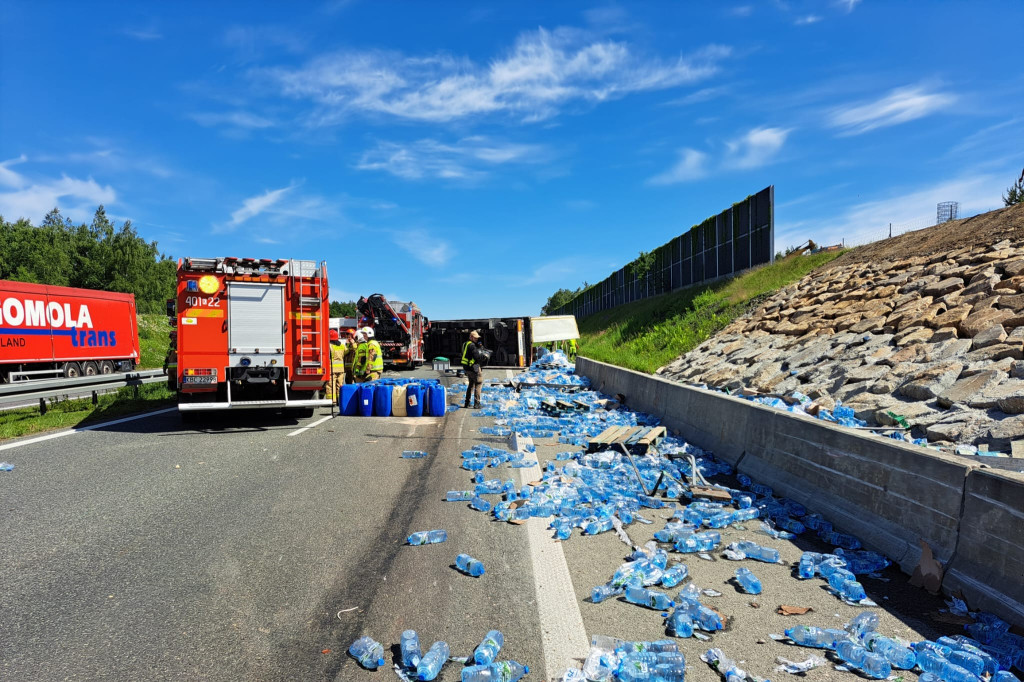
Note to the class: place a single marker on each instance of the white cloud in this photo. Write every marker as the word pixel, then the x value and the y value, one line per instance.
pixel 544 71
pixel 143 34
pixel 807 20
pixel 754 149
pixel 742 10
pixel 468 158
pixel 234 119
pixel 33 199
pixel 899 106
pixel 692 165
pixel 913 209
pixel 757 148
pixel 552 272
pixel 253 206
pixel 424 247
pixel 848 5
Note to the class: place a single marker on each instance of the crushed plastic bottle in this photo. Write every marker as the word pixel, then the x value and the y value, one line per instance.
pixel 427 537
pixel 469 565
pixel 857 656
pixel 413 454
pixel 748 581
pixel 368 652
pixel 675 575
pixel 432 662
pixel 480 504
pixel 502 671
pixel 756 551
pixel 810 636
pixel 488 649
pixel 641 596
pixel 602 592
pixel 6 466
pixel 459 496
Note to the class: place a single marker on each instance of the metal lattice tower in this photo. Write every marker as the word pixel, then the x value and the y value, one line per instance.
pixel 947 210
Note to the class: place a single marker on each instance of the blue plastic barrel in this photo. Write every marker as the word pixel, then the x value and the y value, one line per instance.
pixel 436 402
pixel 348 401
pixel 382 400
pixel 365 400
pixel 414 400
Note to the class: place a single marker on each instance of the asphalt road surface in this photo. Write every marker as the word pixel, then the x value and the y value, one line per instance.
pixel 254 547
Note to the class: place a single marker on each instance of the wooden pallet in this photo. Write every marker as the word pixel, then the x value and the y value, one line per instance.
pixel 635 439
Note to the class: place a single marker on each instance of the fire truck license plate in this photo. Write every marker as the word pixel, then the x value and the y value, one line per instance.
pixel 208 379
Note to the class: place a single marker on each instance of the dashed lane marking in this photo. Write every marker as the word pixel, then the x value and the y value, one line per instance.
pixel 310 426
pixel 563 634
pixel 80 429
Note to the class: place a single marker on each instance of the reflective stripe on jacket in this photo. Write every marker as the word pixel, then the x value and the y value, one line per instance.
pixel 468 361
pixel 359 361
pixel 375 357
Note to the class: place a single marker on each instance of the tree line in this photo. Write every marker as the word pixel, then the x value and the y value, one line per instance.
pixel 89 256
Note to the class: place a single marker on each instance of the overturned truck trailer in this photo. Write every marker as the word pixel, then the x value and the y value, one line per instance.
pixel 511 338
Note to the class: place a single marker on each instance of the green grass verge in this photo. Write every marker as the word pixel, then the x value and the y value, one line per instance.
pixel 154 339
pixel 66 414
pixel 649 334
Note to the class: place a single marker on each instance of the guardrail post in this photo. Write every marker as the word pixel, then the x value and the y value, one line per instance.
pixel 95 398
pixel 42 406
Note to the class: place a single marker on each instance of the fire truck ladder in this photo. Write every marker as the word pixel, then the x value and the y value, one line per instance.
pixel 311 305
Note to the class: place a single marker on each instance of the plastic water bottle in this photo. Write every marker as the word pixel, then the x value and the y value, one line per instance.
pixel 852 591
pixel 431 663
pixel 810 636
pixel 898 655
pixel 413 454
pixel 679 624
pixel 999 676
pixel 488 649
pixel 670 672
pixel 469 565
pixel 756 551
pixel 633 670
pixel 602 592
pixel 598 526
pixel 459 496
pixel 410 646
pixel 427 537
pixel 870 664
pixel 641 596
pixel 748 581
pixel 675 575
pixel 503 671
pixel 965 659
pixel 489 487
pixel 808 568
pixel 863 624
pixel 480 504
pixel 368 652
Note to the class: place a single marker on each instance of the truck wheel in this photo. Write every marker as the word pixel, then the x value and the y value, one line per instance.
pixel 106 367
pixel 72 370
pixel 90 369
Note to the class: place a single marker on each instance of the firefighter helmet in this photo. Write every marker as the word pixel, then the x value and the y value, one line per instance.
pixel 368 332
pixel 334 335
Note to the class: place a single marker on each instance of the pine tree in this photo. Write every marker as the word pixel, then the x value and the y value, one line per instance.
pixel 1015 194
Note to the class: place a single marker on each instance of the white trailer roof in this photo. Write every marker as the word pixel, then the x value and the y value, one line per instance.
pixel 553 328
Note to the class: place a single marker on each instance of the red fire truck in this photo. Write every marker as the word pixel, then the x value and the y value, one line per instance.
pixel 48 331
pixel 250 334
pixel 397 326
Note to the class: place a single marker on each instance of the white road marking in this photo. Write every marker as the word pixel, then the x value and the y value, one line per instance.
pixel 60 434
pixel 563 635
pixel 307 428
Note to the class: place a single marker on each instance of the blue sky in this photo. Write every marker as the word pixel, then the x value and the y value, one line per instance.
pixel 476 158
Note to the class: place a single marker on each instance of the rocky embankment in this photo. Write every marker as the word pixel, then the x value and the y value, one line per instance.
pixel 937 339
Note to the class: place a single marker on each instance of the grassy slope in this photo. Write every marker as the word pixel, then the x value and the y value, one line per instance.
pixel 154 338
pixel 648 334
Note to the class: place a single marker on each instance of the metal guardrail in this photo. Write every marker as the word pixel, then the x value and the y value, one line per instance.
pixel 49 387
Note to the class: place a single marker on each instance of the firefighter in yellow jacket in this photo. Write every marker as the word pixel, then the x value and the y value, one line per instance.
pixel 349 343
pixel 337 365
pixel 369 361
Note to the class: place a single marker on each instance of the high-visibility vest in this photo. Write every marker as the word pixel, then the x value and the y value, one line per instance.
pixel 467 360
pixel 359 361
pixel 572 345
pixel 337 358
pixel 375 357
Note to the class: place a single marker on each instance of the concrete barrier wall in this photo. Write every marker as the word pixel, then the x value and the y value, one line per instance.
pixel 891 495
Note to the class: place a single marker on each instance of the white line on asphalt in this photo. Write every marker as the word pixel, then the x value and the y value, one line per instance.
pixel 562 632
pixel 307 428
pixel 59 434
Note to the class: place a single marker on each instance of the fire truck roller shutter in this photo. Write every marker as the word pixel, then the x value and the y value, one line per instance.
pixel 256 322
